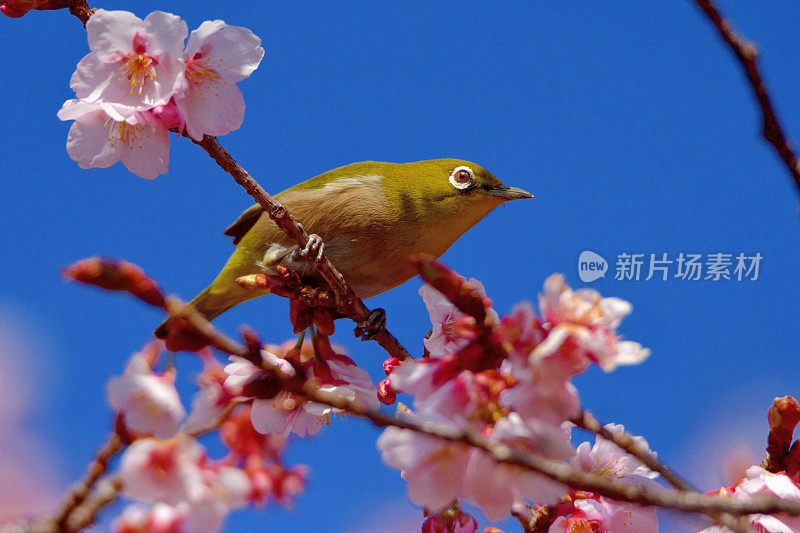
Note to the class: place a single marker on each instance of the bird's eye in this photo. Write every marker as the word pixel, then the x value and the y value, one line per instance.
pixel 462 177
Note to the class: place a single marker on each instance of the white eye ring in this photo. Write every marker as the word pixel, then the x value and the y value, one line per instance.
pixel 458 184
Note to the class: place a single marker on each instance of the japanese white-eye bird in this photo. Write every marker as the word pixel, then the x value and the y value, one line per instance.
pixel 370 216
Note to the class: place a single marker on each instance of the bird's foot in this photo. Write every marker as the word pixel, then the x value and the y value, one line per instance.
pixel 312 251
pixel 374 324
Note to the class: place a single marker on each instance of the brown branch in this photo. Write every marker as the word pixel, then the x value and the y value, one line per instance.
pixel 358 312
pixel 748 58
pixel 80 490
pixel 692 502
pixel 624 440
pixel 80 9
pixel 106 492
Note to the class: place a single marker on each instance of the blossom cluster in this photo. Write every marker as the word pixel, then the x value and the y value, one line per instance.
pixel 759 482
pixel 584 511
pixel 177 487
pixel 323 365
pixel 522 399
pixel 139 81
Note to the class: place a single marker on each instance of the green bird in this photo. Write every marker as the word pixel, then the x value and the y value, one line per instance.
pixel 370 217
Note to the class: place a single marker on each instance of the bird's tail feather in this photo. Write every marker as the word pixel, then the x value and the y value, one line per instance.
pixel 211 303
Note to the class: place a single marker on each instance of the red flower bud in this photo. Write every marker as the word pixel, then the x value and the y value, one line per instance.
pixel 116 276
pixel 386 394
pixel 390 364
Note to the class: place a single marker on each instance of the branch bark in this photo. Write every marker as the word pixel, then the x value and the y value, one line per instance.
pixel 358 312
pixel 713 506
pixel 747 55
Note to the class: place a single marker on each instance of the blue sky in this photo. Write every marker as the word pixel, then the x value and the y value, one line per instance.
pixel 630 122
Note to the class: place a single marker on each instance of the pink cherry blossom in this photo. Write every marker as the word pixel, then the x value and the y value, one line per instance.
pixel 543 391
pixel 461 523
pixel 761 482
pixel 218 56
pixel 212 398
pixel 147 401
pixel 607 516
pixel 583 322
pixel 287 412
pixel 155 470
pixel 439 472
pixel 433 468
pixel 445 338
pixel 103 134
pixel 133 62
pixel 495 488
pixel 157 518
pixel 607 459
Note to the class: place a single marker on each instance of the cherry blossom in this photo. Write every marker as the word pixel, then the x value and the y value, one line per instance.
pixel 761 482
pixel 445 338
pixel 182 483
pixel 584 322
pixel 103 134
pixel 217 57
pixel 542 391
pixel 133 62
pixel 439 472
pixel 154 470
pixel 157 518
pixel 607 459
pixel 212 398
pixel 608 516
pixel 286 412
pixel 147 401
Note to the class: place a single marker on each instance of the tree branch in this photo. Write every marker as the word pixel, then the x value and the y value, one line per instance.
pixel 692 502
pixel 81 490
pixel 358 312
pixel 748 58
pixel 624 441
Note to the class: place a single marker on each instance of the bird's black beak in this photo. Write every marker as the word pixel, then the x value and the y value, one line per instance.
pixel 509 193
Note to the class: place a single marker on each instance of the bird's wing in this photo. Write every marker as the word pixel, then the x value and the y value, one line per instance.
pixel 243 224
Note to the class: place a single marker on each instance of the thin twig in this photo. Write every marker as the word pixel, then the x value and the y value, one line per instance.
pixel 106 492
pixel 85 513
pixel 680 500
pixel 277 212
pixel 80 490
pixel 748 57
pixel 624 440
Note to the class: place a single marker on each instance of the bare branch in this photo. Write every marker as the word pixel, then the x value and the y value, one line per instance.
pixel 80 490
pixel 106 492
pixel 748 57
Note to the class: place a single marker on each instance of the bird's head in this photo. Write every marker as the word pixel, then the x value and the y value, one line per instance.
pixel 448 191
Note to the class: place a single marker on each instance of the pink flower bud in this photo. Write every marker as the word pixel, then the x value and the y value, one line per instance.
pixel 390 364
pixel 434 524
pixel 169 115
pixel 386 394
